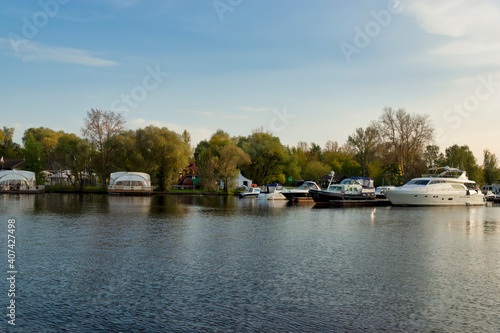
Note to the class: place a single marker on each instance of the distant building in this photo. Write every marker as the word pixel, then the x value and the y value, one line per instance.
pixel 11 163
pixel 325 180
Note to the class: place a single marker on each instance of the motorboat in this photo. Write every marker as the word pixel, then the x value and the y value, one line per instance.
pixel 302 192
pixel 352 188
pixel 380 191
pixel 444 187
pixel 251 192
pixel 271 192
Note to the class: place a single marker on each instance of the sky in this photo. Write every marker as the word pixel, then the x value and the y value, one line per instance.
pixel 308 71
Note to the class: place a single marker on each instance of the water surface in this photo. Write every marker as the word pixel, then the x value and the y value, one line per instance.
pixel 219 264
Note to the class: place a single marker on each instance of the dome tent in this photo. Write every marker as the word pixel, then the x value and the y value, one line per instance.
pixel 17 179
pixel 133 182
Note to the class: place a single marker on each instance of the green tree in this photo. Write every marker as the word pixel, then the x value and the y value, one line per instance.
pixel 48 139
pixel 268 157
pixel 490 167
pixel 72 153
pixel 315 170
pixel 8 148
pixel 463 158
pixel 125 155
pixel 100 127
pixel 364 142
pixel 230 158
pixel 404 137
pixel 33 156
pixel 164 153
pixel 433 158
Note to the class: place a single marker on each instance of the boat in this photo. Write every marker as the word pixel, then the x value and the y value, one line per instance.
pixel 302 192
pixel 380 191
pixel 271 192
pixel 251 192
pixel 352 188
pixel 132 183
pixel 444 187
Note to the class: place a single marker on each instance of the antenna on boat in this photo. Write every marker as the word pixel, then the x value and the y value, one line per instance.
pixel 332 174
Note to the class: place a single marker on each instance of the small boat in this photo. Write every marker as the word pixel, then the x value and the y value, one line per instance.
pixel 445 187
pixel 271 192
pixel 380 191
pixel 302 192
pixel 251 192
pixel 352 188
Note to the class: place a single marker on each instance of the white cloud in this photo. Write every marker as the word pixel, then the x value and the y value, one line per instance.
pixel 472 25
pixel 252 109
pixel 220 115
pixel 28 50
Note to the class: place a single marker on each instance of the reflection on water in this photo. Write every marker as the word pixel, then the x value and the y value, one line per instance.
pixel 210 263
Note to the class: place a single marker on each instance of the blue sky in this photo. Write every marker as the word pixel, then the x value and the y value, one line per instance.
pixel 306 70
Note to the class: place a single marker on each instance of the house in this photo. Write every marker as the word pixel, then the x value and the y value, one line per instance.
pixel 325 180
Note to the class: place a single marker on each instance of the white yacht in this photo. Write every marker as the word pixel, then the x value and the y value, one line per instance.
pixel 445 187
pixel 271 192
pixel 302 192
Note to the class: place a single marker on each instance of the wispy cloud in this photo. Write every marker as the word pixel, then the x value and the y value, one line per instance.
pixel 472 25
pixel 27 50
pixel 220 115
pixel 252 109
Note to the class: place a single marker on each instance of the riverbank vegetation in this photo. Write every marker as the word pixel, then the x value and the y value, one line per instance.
pixel 393 149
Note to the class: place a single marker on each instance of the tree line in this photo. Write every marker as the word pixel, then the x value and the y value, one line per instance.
pixel 393 149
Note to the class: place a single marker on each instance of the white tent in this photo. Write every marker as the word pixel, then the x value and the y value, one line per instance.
pixel 17 179
pixel 242 181
pixel 129 179
pixel 130 182
pixel 60 178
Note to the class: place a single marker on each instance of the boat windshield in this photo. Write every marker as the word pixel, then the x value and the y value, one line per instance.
pixel 421 182
pixel 307 186
pixel 366 182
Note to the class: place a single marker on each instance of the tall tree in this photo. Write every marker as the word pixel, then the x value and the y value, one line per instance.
pixel 230 158
pixel 364 142
pixel 33 156
pixel 100 126
pixel 268 157
pixel 8 148
pixel 490 167
pixel 164 153
pixel 73 153
pixel 48 139
pixel 462 157
pixel 405 136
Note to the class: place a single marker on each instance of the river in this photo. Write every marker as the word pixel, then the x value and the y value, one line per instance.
pixel 86 263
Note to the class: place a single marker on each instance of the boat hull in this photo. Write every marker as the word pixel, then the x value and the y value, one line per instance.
pixel 413 198
pixel 303 195
pixel 328 197
pixel 248 195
